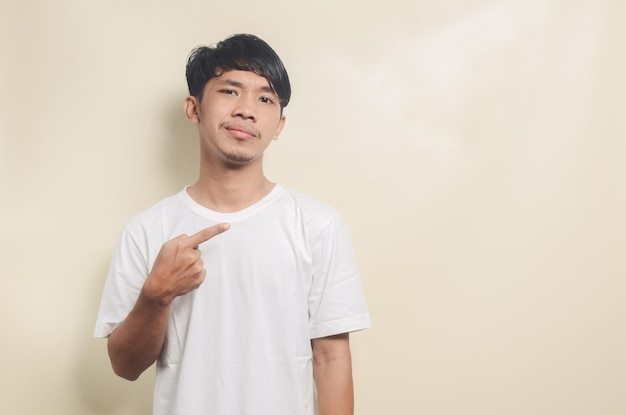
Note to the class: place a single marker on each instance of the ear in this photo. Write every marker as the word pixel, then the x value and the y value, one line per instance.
pixel 192 109
pixel 280 126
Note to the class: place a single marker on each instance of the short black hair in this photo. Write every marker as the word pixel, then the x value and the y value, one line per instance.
pixel 244 52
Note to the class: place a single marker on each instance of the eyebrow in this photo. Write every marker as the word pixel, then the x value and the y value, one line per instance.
pixel 237 84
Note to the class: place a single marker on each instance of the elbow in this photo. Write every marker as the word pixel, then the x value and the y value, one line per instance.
pixel 128 369
pixel 124 372
pixel 122 364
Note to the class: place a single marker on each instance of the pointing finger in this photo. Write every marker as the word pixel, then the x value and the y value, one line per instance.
pixel 207 233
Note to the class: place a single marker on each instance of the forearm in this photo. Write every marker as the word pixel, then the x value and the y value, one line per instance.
pixel 137 342
pixel 178 269
pixel 333 378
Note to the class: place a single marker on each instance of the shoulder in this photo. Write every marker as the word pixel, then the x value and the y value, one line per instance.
pixel 155 216
pixel 318 217
pixel 309 204
pixel 309 207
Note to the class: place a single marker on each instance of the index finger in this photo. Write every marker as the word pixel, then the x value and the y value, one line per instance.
pixel 207 233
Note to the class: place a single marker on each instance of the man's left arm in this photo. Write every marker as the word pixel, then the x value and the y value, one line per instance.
pixel 332 365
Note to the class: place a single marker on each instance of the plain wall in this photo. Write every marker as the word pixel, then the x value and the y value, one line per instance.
pixel 475 149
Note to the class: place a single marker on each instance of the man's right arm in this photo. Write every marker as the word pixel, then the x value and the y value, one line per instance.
pixel 137 342
pixel 178 269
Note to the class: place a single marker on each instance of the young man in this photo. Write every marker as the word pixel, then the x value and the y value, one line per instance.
pixel 242 291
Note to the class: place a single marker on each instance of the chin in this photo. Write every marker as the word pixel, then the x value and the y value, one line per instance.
pixel 238 158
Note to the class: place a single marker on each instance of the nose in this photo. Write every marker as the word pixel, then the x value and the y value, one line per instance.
pixel 245 108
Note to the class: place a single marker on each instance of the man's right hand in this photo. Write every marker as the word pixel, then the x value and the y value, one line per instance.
pixel 178 268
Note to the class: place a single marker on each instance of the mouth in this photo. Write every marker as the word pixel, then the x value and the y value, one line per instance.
pixel 241 132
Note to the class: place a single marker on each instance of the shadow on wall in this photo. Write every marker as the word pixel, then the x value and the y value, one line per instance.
pixel 181 157
pixel 99 389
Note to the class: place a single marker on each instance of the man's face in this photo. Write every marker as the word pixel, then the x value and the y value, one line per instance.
pixel 238 117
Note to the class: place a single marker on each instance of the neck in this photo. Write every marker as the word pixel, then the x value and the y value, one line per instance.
pixel 230 188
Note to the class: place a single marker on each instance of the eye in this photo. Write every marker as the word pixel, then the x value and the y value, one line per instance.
pixel 228 91
pixel 266 100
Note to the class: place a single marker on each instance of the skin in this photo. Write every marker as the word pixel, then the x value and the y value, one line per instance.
pixel 237 119
pixel 332 366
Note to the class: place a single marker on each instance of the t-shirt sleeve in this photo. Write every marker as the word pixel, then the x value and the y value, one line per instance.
pixel 336 301
pixel 127 273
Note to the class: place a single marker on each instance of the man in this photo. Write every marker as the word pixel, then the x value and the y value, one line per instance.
pixel 243 292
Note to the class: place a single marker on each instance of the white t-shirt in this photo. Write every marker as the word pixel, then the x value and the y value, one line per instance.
pixel 283 274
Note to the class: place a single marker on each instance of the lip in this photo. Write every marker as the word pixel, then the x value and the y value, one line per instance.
pixel 241 132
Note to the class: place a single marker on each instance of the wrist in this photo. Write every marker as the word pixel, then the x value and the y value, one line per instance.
pixel 154 294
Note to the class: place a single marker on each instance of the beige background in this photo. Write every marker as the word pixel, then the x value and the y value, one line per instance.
pixel 475 149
